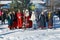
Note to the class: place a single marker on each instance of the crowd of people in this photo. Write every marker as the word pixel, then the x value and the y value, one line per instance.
pixel 25 19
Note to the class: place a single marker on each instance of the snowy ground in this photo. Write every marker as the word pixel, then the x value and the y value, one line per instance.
pixel 21 34
pixel 29 34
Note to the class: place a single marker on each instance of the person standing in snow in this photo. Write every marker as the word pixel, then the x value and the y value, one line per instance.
pixel 27 21
pixel 1 15
pixel 50 20
pixel 42 21
pixel 10 21
pixel 19 19
pixel 14 25
pixel 33 18
pixel 4 17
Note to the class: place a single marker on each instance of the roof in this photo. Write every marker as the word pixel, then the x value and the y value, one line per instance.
pixel 5 0
pixel 35 1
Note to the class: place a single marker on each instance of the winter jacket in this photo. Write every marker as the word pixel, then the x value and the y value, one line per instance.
pixel 42 21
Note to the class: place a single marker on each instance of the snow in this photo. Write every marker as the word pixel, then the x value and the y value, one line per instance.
pixel 30 34
pixel 37 1
pixel 5 2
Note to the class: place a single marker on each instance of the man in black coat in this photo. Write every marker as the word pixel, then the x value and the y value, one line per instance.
pixel 42 19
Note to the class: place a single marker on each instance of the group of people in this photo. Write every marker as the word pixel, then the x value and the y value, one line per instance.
pixel 19 20
pixel 25 19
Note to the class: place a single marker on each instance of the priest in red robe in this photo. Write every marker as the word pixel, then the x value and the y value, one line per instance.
pixel 19 19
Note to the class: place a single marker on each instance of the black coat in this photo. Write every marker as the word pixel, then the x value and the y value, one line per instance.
pixel 14 17
pixel 4 16
pixel 42 21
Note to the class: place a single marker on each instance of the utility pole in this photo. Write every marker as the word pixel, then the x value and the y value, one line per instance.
pixel 47 4
pixel 52 5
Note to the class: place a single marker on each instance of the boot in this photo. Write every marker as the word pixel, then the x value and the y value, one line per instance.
pixel 50 26
pixel 9 27
pixel 43 27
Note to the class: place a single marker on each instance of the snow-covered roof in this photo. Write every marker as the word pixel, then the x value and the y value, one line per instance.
pixel 6 2
pixel 37 1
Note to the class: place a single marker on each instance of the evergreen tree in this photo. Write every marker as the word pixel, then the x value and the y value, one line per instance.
pixel 19 4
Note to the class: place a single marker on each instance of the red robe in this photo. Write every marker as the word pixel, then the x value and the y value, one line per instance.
pixel 28 22
pixel 19 20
